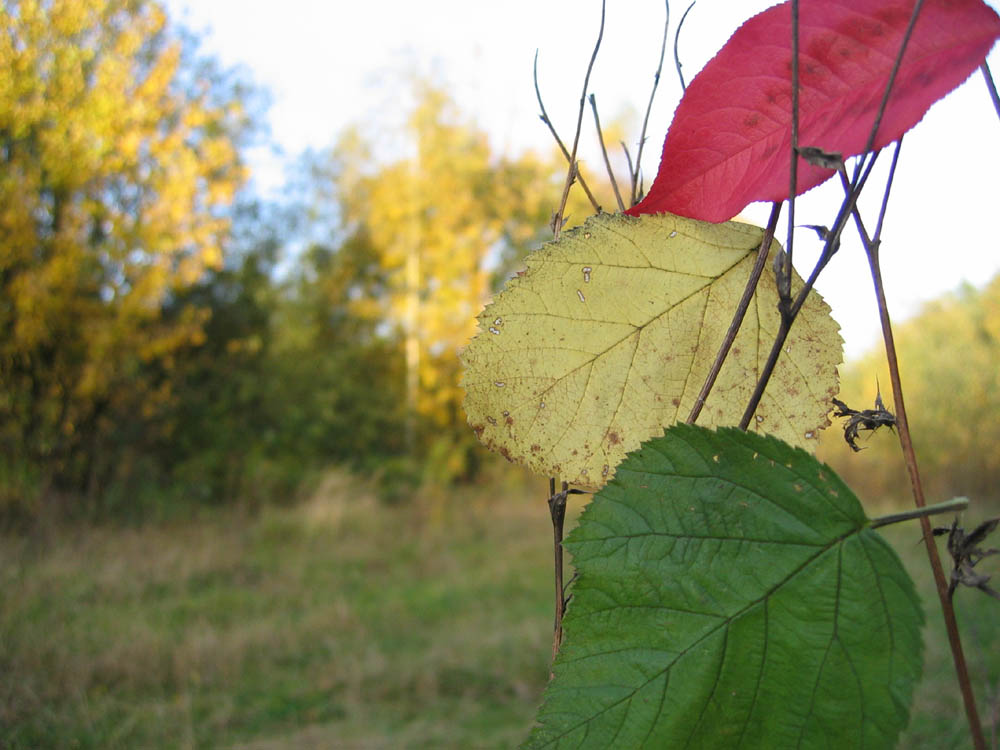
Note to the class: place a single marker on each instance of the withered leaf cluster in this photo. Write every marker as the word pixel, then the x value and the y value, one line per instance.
pixel 966 553
pixel 867 419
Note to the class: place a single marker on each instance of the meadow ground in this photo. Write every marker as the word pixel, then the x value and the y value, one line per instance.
pixel 338 623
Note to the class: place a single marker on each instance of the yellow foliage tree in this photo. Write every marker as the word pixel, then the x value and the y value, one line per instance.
pixel 117 165
pixel 444 222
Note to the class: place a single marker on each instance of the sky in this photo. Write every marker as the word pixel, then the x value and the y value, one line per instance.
pixel 329 64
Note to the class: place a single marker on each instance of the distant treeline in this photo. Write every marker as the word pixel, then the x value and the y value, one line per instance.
pixel 166 339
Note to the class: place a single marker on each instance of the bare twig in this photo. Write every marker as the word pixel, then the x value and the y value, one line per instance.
pixel 829 250
pixel 872 245
pixel 557 510
pixel 604 151
pixel 985 70
pixel 544 117
pixel 994 715
pixel 954 639
pixel 677 38
pixel 784 274
pixel 873 134
pixel 557 502
pixel 649 108
pixel 741 309
pixel 633 175
pixel 571 172
pixel 864 165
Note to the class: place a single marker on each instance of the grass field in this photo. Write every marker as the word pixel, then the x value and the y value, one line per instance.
pixel 337 623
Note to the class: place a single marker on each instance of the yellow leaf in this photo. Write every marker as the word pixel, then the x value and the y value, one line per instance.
pixel 608 336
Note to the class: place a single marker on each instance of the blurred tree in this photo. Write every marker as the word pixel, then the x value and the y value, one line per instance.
pixel 441 224
pixel 949 358
pixel 120 158
pixel 344 377
pixel 219 418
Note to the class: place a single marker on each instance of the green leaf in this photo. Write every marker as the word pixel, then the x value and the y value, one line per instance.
pixel 730 593
pixel 608 336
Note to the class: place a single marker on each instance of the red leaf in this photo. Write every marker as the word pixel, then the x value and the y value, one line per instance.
pixel 730 141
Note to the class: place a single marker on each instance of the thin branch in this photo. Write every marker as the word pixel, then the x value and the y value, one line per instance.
pixel 985 69
pixel 557 502
pixel 829 250
pixel 544 116
pixel 604 151
pixel 995 717
pixel 741 309
pixel 633 174
pixel 863 163
pixel 784 276
pixel 649 107
pixel 557 510
pixel 677 38
pixel 888 87
pixel 951 625
pixel 571 172
pixel 872 245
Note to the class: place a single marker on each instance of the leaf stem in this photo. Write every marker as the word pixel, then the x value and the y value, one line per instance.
pixel 738 315
pixel 955 504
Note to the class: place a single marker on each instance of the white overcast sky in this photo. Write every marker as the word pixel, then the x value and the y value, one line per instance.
pixel 332 63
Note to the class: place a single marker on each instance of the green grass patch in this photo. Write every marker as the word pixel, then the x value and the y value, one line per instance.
pixel 937 718
pixel 337 623
pixel 340 622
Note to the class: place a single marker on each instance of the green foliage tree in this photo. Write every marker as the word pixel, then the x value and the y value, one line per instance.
pixel 285 382
pixel 340 382
pixel 120 157
pixel 217 418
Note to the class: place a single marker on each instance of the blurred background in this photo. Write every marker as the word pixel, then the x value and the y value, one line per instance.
pixel 240 250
